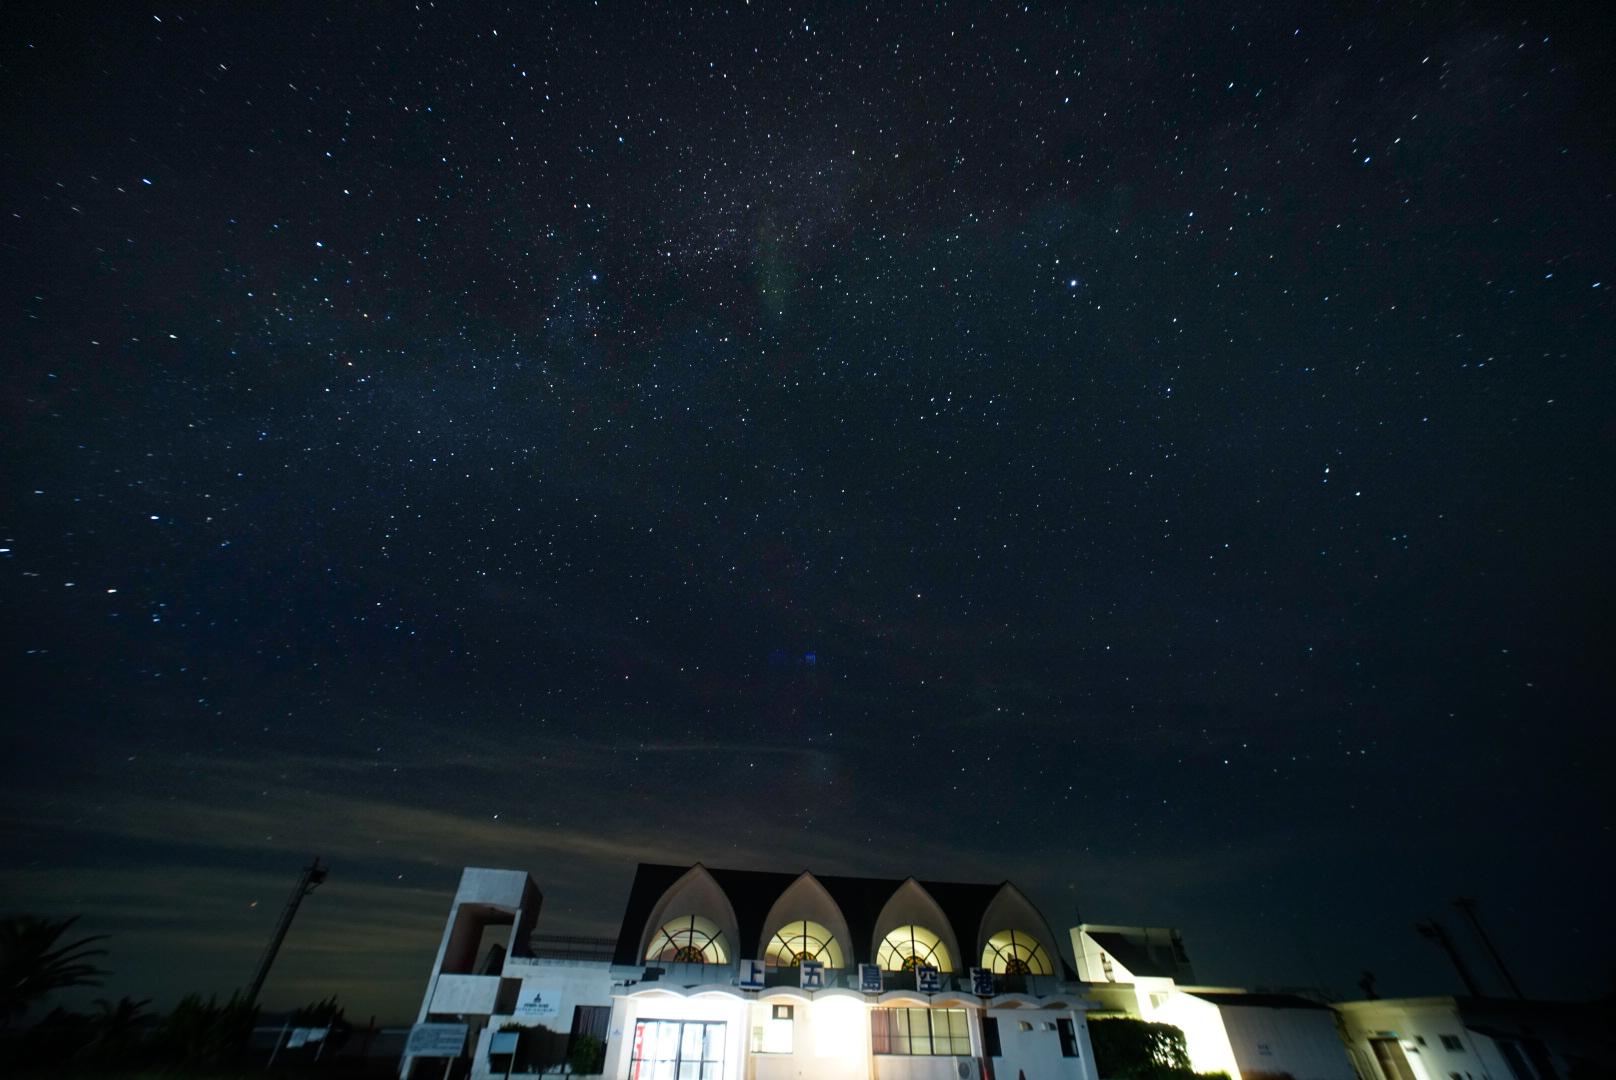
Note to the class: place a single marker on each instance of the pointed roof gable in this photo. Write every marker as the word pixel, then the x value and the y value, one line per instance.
pixel 752 893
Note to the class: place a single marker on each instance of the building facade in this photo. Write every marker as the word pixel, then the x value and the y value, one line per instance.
pixel 1144 973
pixel 729 974
pixel 744 975
pixel 1469 1038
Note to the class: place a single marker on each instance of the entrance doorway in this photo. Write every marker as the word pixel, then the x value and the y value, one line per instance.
pixel 1391 1059
pixel 677 1050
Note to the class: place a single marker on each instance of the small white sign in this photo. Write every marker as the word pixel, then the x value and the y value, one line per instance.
pixel 870 978
pixel 928 980
pixel 982 982
pixel 751 977
pixel 811 975
pixel 538 1002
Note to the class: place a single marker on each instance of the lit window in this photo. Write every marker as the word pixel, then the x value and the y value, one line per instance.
pixel 933 1032
pixel 803 940
pixel 909 947
pixel 1011 952
pixel 689 939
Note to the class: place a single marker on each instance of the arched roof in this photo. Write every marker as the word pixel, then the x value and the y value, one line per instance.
pixel 806 898
pixel 695 892
pixel 753 894
pixel 1011 910
pixel 912 904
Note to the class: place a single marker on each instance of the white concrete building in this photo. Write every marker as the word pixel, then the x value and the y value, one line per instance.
pixel 728 974
pixel 1144 973
pixel 1467 1038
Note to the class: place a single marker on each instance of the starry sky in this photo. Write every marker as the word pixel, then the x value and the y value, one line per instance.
pixel 1160 454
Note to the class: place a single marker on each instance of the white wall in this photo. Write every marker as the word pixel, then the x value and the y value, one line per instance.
pixel 1204 1035
pixel 916 1067
pixel 565 983
pixel 1302 1042
pixel 1419 1025
pixel 501 888
pixel 830 1041
pixel 1038 1052
pixel 460 995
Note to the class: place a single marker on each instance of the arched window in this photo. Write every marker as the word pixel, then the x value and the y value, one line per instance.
pixel 689 939
pixel 908 947
pixel 803 940
pixel 1016 952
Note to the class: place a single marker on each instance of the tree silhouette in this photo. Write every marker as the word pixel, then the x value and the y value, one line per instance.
pixel 116 1030
pixel 34 961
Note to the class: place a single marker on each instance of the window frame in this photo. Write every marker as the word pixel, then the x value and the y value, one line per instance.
pixel 892 946
pixel 1018 946
pixel 826 948
pixel 714 946
pixel 1068 1037
pixel 894 1032
pixel 992 1042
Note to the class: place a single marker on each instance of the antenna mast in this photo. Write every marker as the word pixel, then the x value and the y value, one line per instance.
pixel 312 877
pixel 1468 906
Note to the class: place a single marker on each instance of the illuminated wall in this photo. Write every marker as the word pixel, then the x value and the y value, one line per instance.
pixel 1202 1025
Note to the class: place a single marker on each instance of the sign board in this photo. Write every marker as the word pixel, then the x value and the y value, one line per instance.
pixel 751 977
pixel 870 978
pixel 982 982
pixel 436 1040
pixel 928 980
pixel 811 975
pixel 503 1042
pixel 538 1001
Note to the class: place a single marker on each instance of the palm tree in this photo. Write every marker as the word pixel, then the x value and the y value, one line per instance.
pixel 34 961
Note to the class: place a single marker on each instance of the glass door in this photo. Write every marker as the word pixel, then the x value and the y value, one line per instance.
pixel 677 1050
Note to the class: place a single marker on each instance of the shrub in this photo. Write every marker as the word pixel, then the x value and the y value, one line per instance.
pixel 205 1035
pixel 588 1056
pixel 1128 1049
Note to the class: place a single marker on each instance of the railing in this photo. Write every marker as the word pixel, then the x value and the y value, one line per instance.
pixel 848 978
pixel 568 947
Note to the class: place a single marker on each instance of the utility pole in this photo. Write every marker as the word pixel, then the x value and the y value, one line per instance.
pixel 1434 932
pixel 312 877
pixel 1468 906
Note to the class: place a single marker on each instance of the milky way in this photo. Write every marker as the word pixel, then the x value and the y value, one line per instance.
pixel 1159 457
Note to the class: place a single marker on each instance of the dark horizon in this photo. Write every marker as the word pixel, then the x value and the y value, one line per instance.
pixel 1158 457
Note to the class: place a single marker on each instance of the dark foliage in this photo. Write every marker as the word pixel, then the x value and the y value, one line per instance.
pixel 1128 1049
pixel 588 1056
pixel 205 1035
pixel 34 961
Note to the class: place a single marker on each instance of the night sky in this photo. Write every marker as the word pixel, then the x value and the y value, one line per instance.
pixel 1159 456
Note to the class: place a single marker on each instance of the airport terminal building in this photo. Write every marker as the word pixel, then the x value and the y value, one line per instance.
pixel 732 974
pixel 746 975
